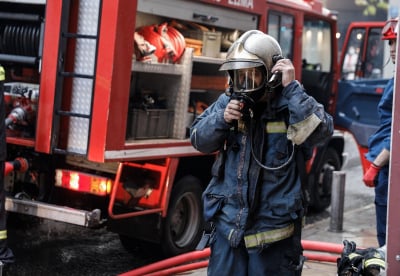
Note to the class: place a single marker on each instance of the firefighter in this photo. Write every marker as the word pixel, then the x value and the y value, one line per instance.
pixel 6 254
pixel 378 154
pixel 263 122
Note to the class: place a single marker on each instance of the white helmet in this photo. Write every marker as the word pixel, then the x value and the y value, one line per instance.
pixel 253 49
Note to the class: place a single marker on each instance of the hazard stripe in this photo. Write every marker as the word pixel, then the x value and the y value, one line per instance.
pixel 276 127
pixel 3 235
pixel 374 261
pixel 2 73
pixel 354 255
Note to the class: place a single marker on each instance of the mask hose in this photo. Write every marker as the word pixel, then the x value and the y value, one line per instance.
pixel 259 162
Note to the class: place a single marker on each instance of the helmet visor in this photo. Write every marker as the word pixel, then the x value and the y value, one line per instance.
pixel 389 31
pixel 248 79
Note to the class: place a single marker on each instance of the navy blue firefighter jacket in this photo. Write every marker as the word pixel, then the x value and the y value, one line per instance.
pixel 246 202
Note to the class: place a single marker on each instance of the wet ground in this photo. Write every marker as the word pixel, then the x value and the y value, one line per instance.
pixel 45 247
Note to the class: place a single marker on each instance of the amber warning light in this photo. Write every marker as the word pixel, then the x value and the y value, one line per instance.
pixel 82 182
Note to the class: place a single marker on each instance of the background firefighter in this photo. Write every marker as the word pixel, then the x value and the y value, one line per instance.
pixel 260 126
pixel 378 154
pixel 6 254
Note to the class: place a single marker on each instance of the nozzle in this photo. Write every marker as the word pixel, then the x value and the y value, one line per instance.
pixel 19 164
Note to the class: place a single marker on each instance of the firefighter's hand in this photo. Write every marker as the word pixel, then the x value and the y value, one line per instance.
pixel 233 111
pixel 370 175
pixel 285 66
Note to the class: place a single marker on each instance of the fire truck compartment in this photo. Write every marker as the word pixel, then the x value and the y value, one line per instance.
pixel 200 13
pixel 150 123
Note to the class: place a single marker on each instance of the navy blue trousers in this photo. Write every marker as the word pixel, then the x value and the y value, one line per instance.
pixel 381 197
pixel 275 259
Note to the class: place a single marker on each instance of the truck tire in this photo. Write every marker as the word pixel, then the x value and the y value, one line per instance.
pixel 321 188
pixel 183 225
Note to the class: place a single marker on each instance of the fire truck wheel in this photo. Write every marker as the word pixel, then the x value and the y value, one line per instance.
pixel 321 188
pixel 182 228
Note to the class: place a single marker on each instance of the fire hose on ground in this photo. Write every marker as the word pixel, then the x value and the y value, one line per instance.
pixel 198 259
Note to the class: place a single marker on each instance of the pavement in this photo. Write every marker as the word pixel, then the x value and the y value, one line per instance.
pixel 358 226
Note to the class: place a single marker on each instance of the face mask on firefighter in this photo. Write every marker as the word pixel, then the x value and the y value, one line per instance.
pixel 248 79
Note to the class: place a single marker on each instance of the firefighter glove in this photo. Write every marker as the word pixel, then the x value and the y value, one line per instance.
pixel 374 262
pixel 350 262
pixel 370 175
pixel 360 262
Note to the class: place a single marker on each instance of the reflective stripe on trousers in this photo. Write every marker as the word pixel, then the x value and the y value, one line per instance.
pixel 2 73
pixel 270 236
pixel 3 234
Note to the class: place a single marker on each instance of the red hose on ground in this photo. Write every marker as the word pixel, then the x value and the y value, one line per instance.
pixel 179 269
pixel 202 264
pixel 177 264
pixel 167 263
pixel 322 246
pixel 320 257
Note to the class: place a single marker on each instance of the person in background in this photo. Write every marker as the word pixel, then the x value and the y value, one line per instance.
pixel 374 60
pixel 349 63
pixel 6 254
pixel 378 154
pixel 254 201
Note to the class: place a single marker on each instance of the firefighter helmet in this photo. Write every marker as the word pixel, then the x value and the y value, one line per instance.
pixel 389 31
pixel 253 51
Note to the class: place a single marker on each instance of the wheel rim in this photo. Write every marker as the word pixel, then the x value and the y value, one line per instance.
pixel 324 187
pixel 184 220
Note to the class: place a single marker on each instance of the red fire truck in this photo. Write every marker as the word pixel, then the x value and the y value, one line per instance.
pixel 97 136
pixel 366 68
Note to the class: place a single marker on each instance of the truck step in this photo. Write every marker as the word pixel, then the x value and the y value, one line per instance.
pixel 54 212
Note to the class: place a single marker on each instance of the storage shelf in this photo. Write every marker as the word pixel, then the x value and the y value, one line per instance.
pixel 205 59
pixel 171 84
